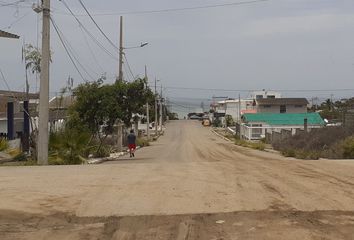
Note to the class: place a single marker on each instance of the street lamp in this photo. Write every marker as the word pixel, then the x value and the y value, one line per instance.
pixel 140 46
pixel 121 53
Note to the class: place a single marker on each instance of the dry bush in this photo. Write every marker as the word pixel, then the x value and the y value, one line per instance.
pixel 331 142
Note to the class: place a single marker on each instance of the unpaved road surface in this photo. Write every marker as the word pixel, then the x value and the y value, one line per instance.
pixel 190 184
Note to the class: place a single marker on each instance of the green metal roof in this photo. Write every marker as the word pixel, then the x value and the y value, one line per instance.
pixel 284 118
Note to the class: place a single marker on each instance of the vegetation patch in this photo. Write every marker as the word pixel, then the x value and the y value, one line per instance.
pixel 3 144
pixel 249 144
pixel 330 142
pixel 142 142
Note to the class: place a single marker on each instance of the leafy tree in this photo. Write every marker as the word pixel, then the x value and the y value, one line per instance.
pixel 99 106
pixel 32 58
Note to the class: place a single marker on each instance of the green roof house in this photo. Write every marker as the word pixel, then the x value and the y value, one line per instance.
pixel 255 126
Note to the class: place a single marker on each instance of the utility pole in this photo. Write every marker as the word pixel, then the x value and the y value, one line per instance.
pixel 147 109
pixel 161 119
pixel 239 108
pixel 43 135
pixel 120 70
pixel 156 109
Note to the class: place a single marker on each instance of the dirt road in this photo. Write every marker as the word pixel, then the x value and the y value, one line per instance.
pixel 190 184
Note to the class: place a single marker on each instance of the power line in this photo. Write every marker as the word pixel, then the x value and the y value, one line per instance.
pixel 252 90
pixel 66 49
pixel 74 54
pixel 98 43
pixel 99 28
pixel 13 4
pixel 18 19
pixel 178 9
pixel 127 75
pixel 91 51
pixel 130 70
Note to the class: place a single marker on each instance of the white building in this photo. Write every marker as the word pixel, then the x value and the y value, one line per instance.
pixel 236 108
pixel 265 94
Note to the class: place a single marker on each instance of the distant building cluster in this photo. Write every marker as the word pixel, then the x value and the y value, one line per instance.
pixel 264 112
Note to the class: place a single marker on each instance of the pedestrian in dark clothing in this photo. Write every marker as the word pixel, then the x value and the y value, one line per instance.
pixel 131 143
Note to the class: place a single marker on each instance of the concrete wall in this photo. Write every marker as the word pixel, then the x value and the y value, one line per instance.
pixel 18 126
pixel 271 133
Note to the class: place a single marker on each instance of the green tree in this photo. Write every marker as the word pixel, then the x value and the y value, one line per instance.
pixel 32 58
pixel 99 106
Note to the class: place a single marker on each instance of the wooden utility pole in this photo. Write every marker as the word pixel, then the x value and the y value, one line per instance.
pixel 147 109
pixel 43 135
pixel 120 73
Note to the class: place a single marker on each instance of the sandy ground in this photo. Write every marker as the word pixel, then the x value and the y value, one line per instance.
pixel 179 188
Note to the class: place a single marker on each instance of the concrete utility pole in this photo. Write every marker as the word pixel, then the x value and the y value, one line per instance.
pixel 147 109
pixel 120 70
pixel 239 108
pixel 161 119
pixel 43 134
pixel 155 109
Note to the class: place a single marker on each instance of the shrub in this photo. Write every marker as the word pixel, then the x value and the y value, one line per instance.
pixel 142 142
pixel 20 157
pixel 288 152
pixel 217 123
pixel 308 155
pixel 348 147
pixel 3 144
pixel 253 145
pixel 323 142
pixel 68 146
pixel 13 152
pixel 241 142
pixel 258 146
pixel 103 151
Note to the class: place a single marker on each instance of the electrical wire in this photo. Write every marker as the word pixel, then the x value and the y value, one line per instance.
pixel 127 75
pixel 130 70
pixel 91 51
pixel 98 43
pixel 6 4
pixel 178 9
pixel 74 54
pixel 98 27
pixel 252 90
pixel 17 20
pixel 66 49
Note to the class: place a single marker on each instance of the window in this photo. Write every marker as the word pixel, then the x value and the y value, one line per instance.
pixel 282 108
pixel 298 106
pixel 271 96
pixel 259 96
pixel 267 106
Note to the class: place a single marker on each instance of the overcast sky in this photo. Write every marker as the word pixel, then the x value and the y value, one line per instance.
pixel 275 44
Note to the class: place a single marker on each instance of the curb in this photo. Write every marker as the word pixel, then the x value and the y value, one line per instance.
pixel 221 136
pixel 112 157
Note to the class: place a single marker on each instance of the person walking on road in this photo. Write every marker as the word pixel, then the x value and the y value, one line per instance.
pixel 131 143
